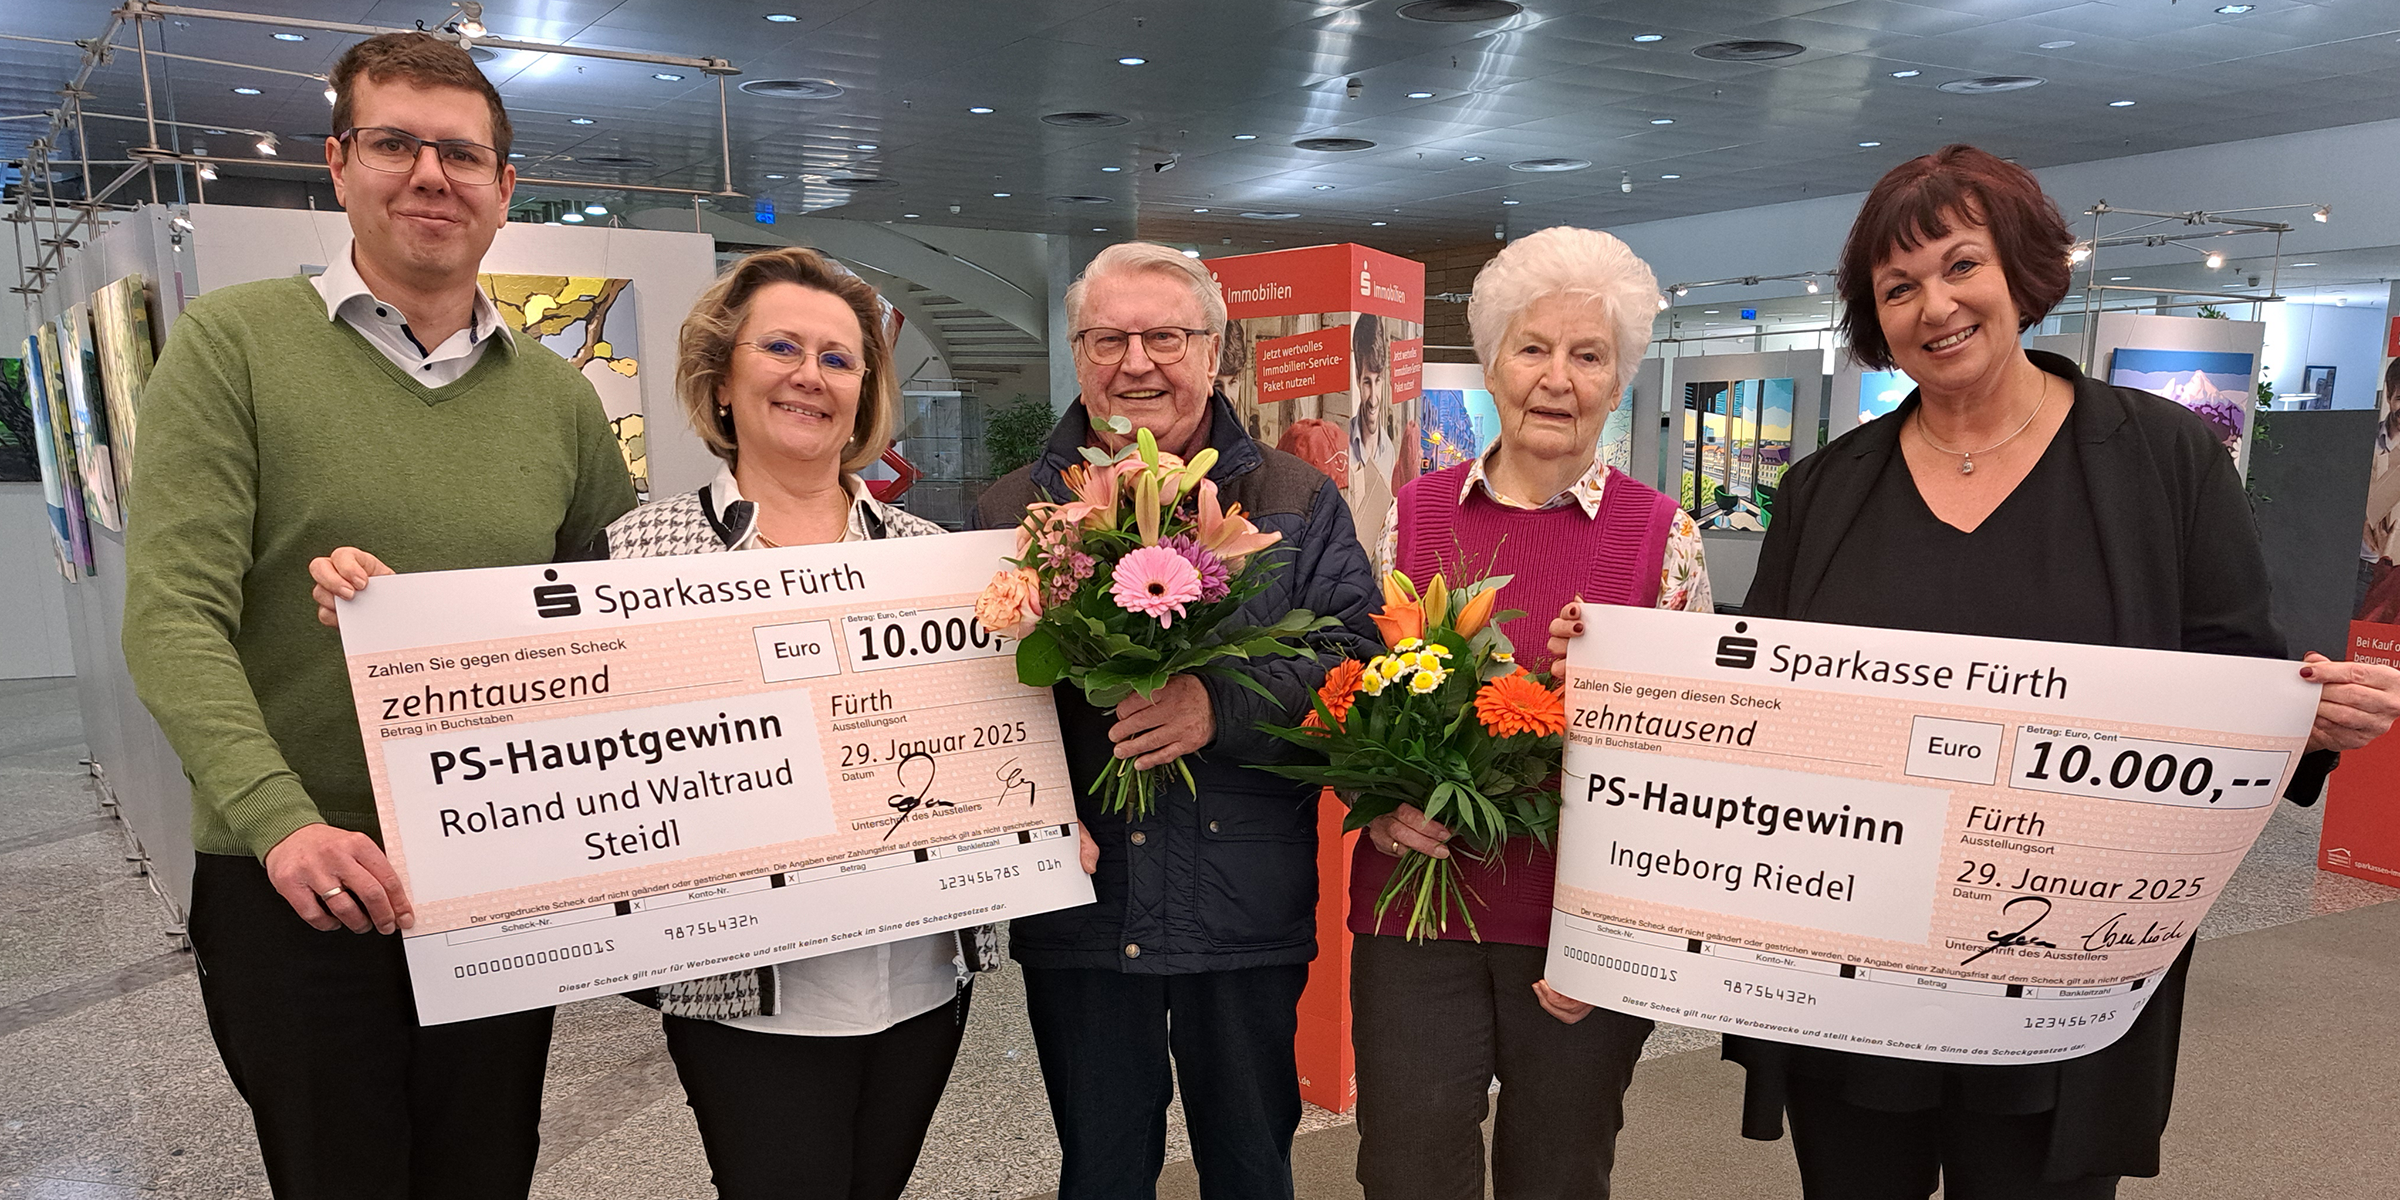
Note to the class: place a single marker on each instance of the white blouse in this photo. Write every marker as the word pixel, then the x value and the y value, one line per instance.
pixel 872 988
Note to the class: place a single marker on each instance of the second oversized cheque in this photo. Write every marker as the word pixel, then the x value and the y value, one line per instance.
pixel 1920 845
pixel 607 775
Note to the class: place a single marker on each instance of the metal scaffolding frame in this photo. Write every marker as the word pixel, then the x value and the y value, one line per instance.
pixel 39 205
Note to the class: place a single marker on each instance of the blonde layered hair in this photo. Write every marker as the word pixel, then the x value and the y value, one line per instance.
pixel 704 349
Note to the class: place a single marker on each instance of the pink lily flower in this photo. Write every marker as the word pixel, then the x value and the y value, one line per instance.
pixel 1226 532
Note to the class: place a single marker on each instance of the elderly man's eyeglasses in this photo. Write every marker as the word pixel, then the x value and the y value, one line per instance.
pixel 788 353
pixel 396 150
pixel 1165 345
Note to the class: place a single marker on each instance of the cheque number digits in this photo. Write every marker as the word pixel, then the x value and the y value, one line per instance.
pixel 2128 771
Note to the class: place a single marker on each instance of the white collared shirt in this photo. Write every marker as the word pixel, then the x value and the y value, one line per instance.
pixel 872 988
pixel 347 299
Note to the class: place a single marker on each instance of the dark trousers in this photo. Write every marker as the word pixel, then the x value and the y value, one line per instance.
pixel 1434 1023
pixel 826 1118
pixel 351 1097
pixel 1104 1039
pixel 1851 1153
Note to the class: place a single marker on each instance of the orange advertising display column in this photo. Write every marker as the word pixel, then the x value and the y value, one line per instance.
pixel 2361 837
pixel 1323 353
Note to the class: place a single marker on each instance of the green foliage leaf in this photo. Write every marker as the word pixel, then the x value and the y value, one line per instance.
pixel 1041 662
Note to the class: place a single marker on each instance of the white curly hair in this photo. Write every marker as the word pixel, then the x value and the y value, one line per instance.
pixel 1565 260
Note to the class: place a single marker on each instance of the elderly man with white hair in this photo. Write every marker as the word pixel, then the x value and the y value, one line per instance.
pixel 1559 319
pixel 1199 943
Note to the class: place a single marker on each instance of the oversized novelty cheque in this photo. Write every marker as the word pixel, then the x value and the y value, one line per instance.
pixel 1929 846
pixel 601 776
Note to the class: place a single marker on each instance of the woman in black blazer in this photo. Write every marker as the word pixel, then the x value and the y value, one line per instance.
pixel 2010 496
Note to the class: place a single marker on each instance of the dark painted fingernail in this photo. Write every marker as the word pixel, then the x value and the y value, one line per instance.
pixel 2308 672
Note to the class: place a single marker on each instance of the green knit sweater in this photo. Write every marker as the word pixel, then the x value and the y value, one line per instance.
pixel 272 435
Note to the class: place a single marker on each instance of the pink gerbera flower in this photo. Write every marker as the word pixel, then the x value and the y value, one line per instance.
pixel 1155 582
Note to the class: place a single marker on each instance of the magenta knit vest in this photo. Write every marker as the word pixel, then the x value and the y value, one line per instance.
pixel 1555 555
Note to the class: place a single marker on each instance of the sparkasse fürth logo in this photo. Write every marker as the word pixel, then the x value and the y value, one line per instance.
pixel 555 599
pixel 1740 653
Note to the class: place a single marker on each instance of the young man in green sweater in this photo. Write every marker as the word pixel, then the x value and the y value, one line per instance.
pixel 382 405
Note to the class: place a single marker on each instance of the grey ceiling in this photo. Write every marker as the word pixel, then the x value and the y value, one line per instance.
pixel 1560 79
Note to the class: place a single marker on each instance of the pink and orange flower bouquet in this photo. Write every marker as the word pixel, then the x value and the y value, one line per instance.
pixel 1135 581
pixel 1446 721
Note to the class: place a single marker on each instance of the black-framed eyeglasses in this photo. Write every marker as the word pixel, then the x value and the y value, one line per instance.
pixel 788 353
pixel 396 150
pixel 1164 345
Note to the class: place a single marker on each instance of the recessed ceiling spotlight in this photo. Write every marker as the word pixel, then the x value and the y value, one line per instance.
pixel 1670 177
pixel 2119 278
pixel 579 121
pixel 289 37
pixel 864 145
pixel 782 18
pixel 1112 170
pixel 1378 224
pixel 1512 202
pixel 1099 229
pixel 1868 145
pixel 521 154
pixel 1001 195
pixel 245 91
pixel 1647 38
pixel 1245 137
pixel 1322 187
pixel 1711 311
pixel 774 176
pixel 908 216
pixel 572 218
pixel 1986 84
pixel 1472 158
pixel 1131 60
pixel 1420 95
pixel 1271 216
pixel 2057 45
pixel 2235 10
pixel 1545 166
pixel 981 110
pixel 1909 74
pixel 597 210
pixel 666 77
pixel 1662 120
pixel 2120 104
pixel 1333 144
pixel 2306 264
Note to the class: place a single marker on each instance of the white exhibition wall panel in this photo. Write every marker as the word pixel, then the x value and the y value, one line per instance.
pixel 669 270
pixel 2348 339
pixel 36 644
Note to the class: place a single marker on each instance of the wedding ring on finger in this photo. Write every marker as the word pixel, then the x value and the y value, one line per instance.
pixel 330 892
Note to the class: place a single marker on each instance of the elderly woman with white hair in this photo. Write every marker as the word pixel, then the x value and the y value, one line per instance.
pixel 1559 320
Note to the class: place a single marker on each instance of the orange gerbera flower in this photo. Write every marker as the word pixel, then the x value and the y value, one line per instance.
pixel 1514 704
pixel 1339 692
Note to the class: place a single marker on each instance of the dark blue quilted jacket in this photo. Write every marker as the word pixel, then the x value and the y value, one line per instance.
pixel 1226 878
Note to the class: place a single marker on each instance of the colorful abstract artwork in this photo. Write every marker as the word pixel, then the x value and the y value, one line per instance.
pixel 1737 440
pixel 87 414
pixel 62 492
pixel 1879 392
pixel 2213 383
pixel 18 461
pixel 121 330
pixel 591 322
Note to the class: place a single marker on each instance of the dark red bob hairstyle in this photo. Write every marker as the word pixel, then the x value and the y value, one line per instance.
pixel 1920 201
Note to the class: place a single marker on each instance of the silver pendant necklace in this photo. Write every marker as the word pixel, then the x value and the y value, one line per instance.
pixel 1966 458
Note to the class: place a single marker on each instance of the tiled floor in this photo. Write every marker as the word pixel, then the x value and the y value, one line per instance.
pixel 109 1086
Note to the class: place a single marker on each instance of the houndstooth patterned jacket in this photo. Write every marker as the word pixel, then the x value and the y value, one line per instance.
pixel 692 523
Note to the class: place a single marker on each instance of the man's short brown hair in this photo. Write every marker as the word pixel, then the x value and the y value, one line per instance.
pixel 1919 201
pixel 420 59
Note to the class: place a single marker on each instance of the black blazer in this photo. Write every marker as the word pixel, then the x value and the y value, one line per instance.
pixel 2184 572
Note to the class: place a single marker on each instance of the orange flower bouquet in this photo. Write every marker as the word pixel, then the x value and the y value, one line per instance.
pixel 1447 721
